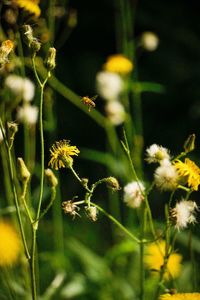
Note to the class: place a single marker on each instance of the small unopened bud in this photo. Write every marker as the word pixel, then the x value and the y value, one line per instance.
pixel 189 144
pixel 24 174
pixel 50 61
pixel 12 128
pixel 27 32
pixel 84 181
pixel 113 183
pixel 51 178
pixel 72 19
pixel 35 45
pixel 92 212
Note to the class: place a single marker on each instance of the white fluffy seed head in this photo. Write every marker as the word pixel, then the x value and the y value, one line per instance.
pixel 184 213
pixel 149 41
pixel 115 112
pixel 156 153
pixel 166 176
pixel 27 114
pixel 133 194
pixel 22 87
pixel 109 85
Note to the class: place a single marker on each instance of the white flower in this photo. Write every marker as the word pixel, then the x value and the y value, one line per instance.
pixel 115 112
pixel 166 176
pixel 156 153
pixel 184 213
pixel 149 41
pixel 133 194
pixel 22 87
pixel 109 85
pixel 27 114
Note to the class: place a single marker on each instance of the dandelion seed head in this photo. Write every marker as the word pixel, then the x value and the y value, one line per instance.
pixel 109 85
pixel 27 114
pixel 149 41
pixel 156 153
pixel 184 213
pixel 115 112
pixel 133 194
pixel 166 176
pixel 22 87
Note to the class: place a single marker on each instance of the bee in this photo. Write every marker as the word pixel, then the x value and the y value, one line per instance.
pixel 89 102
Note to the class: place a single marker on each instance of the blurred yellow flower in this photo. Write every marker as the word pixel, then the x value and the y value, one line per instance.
pixel 9 244
pixel 61 153
pixel 32 6
pixel 118 63
pixel 190 171
pixel 154 260
pixel 182 296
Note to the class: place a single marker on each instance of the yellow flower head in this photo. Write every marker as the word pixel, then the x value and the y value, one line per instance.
pixel 31 6
pixel 61 153
pixel 190 171
pixel 154 260
pixel 182 296
pixel 118 63
pixel 9 244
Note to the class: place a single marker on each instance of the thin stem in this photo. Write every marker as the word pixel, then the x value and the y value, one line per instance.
pixel 53 196
pixel 32 263
pixel 10 164
pixel 117 223
pixel 42 152
pixel 80 180
pixel 23 197
pixel 142 231
pixel 127 151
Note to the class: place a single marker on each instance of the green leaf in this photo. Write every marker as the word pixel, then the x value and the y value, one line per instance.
pixel 141 87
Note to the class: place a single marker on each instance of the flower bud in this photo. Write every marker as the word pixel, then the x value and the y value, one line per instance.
pixel 27 32
pixel 189 144
pixel 51 178
pixel 24 174
pixel 50 61
pixel 92 212
pixel 112 183
pixel 35 45
pixel 12 128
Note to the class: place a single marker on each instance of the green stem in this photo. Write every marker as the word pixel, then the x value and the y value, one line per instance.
pixel 142 231
pixel 36 222
pixel 80 180
pixel 32 263
pixel 10 163
pixel 53 196
pixel 41 151
pixel 23 197
pixel 118 224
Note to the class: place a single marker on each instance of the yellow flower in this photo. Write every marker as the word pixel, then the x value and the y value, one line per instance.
pixel 154 260
pixel 118 63
pixel 182 296
pixel 190 171
pixel 30 6
pixel 61 153
pixel 9 244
